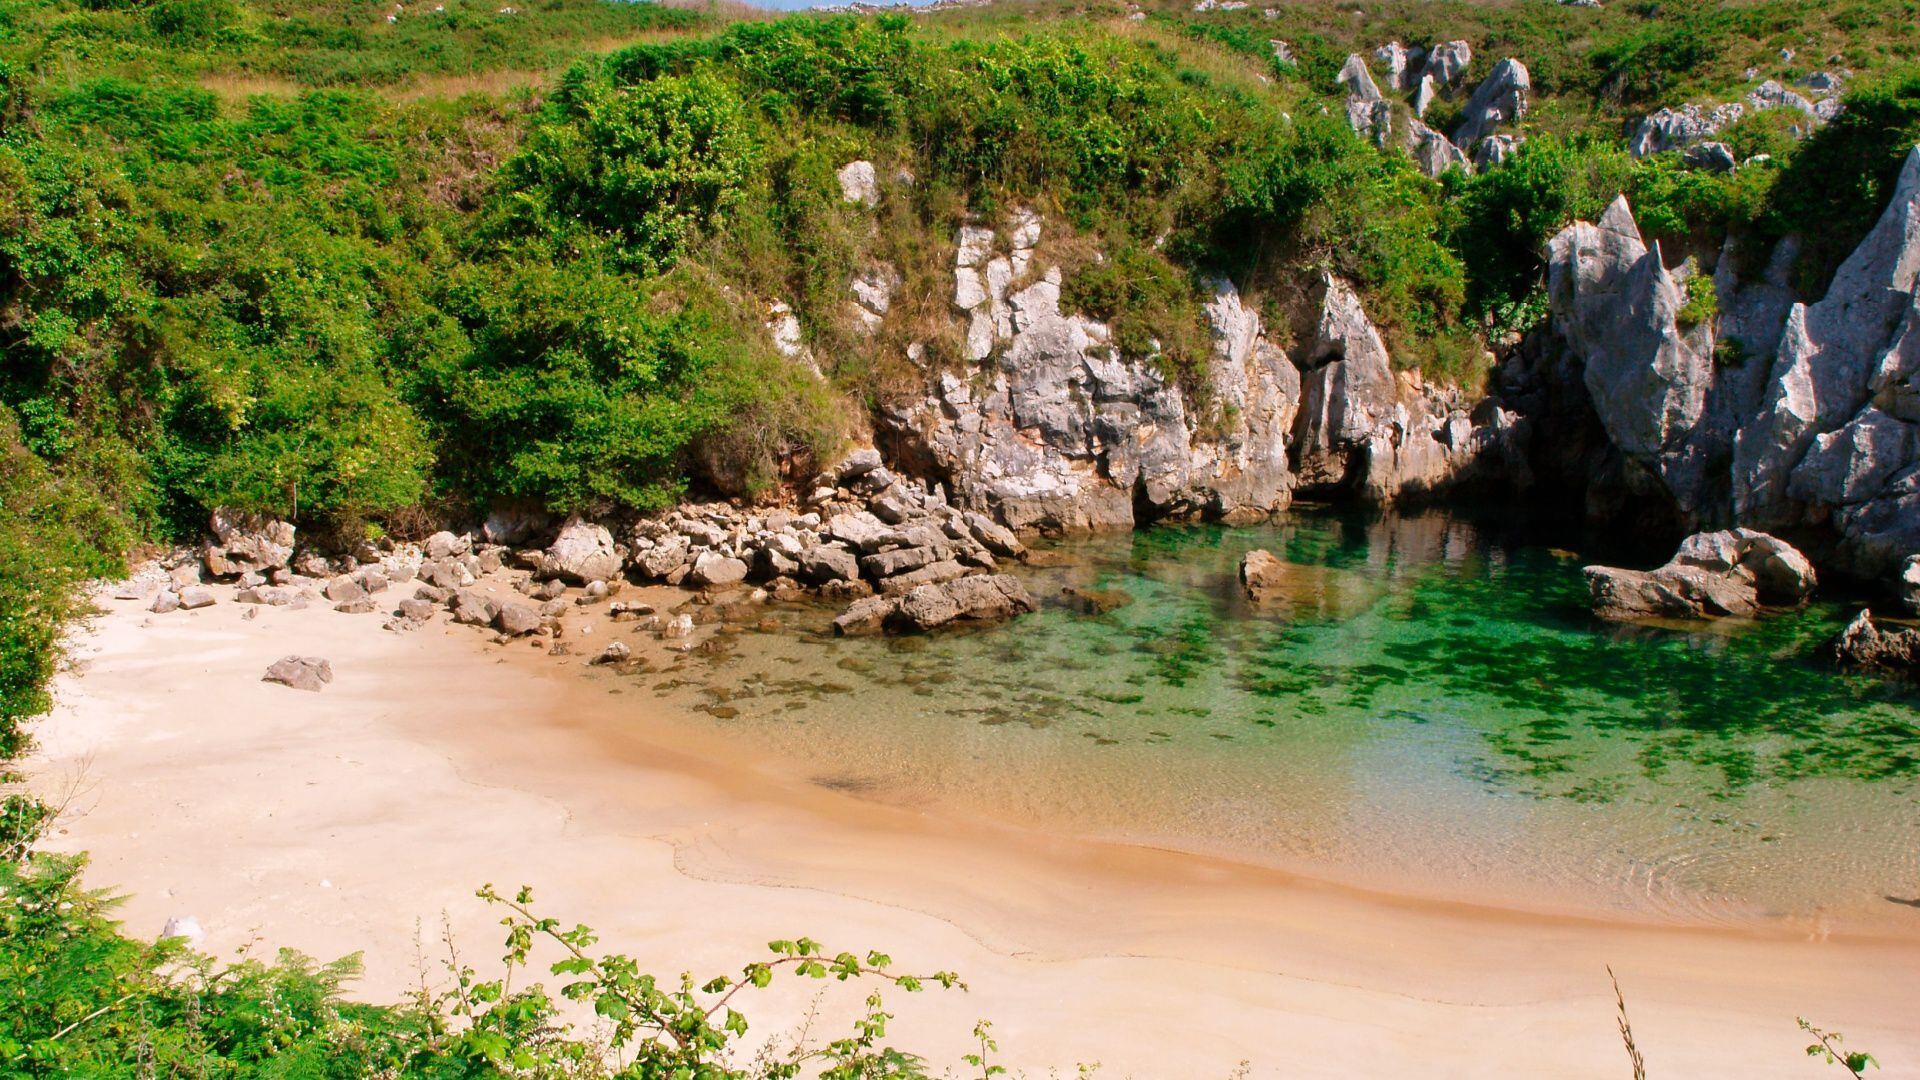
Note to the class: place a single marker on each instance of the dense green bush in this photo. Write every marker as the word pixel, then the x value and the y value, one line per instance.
pixel 1317 194
pixel 651 164
pixel 1836 186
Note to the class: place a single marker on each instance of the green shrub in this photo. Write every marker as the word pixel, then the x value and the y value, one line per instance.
pixel 1702 304
pixel 1838 184
pixel 650 164
pixel 1500 220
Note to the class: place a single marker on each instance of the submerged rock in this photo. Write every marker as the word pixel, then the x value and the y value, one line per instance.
pixel 1260 571
pixel 980 597
pixel 300 672
pixel 1733 572
pixel 1864 645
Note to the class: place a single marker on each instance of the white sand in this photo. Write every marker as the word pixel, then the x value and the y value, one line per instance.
pixel 345 820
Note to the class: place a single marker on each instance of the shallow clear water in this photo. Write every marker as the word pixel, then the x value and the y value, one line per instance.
pixel 1428 706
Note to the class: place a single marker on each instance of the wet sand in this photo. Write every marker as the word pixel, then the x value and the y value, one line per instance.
pixel 355 819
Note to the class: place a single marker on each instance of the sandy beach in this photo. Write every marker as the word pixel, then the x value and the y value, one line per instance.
pixel 357 818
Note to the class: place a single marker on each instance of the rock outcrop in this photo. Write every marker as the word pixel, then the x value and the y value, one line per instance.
pixel 1864 645
pixel 1670 128
pixel 1732 572
pixel 1053 428
pixel 1813 432
pixel 1500 100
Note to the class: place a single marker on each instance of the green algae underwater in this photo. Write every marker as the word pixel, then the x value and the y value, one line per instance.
pixel 1425 704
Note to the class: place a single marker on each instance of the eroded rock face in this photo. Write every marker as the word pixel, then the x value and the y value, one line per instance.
pixel 1056 430
pixel 1815 433
pixel 1731 572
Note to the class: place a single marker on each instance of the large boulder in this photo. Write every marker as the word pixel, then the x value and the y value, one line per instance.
pixel 583 552
pixel 1864 645
pixel 300 672
pixel 247 543
pixel 713 568
pixel 1732 572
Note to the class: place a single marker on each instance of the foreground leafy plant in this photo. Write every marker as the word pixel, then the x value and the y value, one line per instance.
pixel 1828 1044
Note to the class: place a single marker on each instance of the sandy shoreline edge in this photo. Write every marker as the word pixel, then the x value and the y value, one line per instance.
pixel 341 821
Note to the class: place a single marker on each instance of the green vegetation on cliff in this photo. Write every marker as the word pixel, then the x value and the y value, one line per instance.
pixel 328 264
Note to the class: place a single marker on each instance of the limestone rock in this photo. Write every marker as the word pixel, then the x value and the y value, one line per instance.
pixel 164 601
pixel 1260 572
pixel 1447 64
pixel 867 615
pixel 1732 572
pixel 583 552
pixel 448 545
pixel 300 672
pixel 515 620
pixel 342 589
pixel 247 542
pixel 859 184
pixel 1671 129
pixel 1864 645
pixel 195 596
pixel 474 608
pixel 712 568
pixel 615 653
pixel 1500 100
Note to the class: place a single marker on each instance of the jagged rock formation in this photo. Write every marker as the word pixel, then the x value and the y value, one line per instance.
pixel 1500 100
pixel 1864 645
pixel 1054 429
pixel 1814 434
pixel 1733 572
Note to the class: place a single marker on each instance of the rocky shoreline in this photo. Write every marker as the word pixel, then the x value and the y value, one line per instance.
pixel 1811 442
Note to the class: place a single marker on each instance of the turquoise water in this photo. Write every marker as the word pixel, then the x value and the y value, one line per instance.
pixel 1427 704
